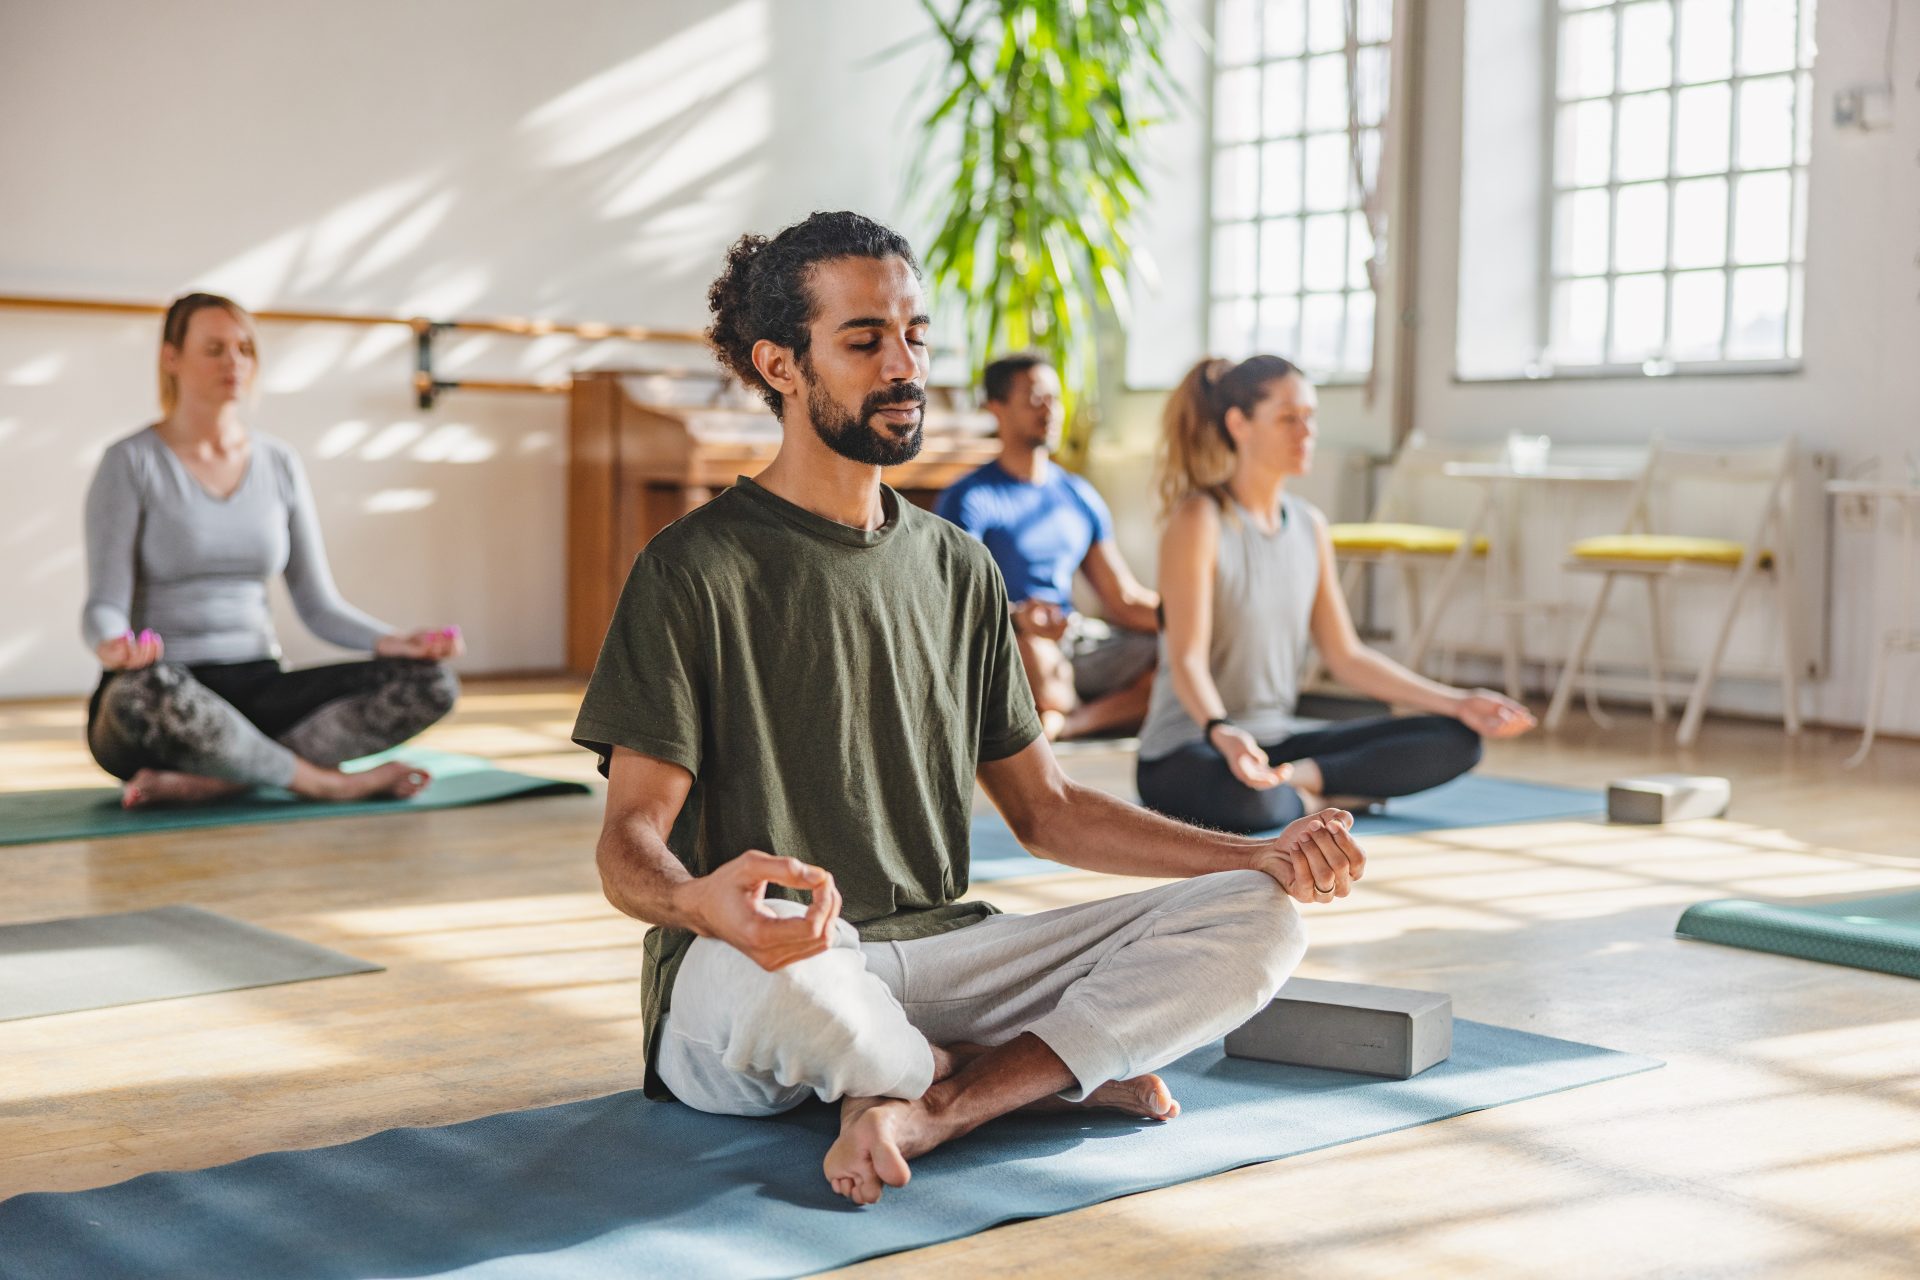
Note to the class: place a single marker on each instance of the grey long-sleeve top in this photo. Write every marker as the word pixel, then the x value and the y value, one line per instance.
pixel 164 553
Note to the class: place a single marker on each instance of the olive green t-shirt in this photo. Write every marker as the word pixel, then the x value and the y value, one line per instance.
pixel 831 690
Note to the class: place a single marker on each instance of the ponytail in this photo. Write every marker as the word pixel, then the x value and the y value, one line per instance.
pixel 1197 450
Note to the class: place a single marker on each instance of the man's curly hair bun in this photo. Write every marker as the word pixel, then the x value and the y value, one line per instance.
pixel 764 293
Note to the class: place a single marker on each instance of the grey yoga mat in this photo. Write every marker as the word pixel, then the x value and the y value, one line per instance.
pixel 95 962
pixel 621 1187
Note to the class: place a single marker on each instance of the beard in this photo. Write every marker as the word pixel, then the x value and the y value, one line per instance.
pixel 856 436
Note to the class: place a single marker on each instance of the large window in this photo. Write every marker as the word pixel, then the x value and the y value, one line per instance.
pixel 1678 200
pixel 1291 239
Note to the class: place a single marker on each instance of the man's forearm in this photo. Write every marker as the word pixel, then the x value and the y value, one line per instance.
pixel 641 876
pixel 1089 829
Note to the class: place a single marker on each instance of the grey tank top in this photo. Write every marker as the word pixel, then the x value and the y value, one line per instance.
pixel 1263 590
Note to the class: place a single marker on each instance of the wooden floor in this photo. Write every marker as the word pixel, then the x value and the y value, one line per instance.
pixel 1782 1138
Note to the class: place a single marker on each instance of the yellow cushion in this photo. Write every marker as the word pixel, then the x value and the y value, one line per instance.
pixel 1414 539
pixel 1664 548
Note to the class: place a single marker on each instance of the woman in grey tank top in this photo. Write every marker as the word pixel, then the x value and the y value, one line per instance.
pixel 186 522
pixel 1246 581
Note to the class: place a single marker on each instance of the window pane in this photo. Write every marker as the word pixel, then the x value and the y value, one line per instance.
pixel 1759 330
pixel 1699 315
pixel 1233 183
pixel 1640 228
pixel 1327 92
pixel 1234 36
pixel 1359 249
pixel 1280 178
pixel 1371 86
pixel 1233 260
pixel 1326 251
pixel 1235 103
pixel 1280 326
pixel 1280 100
pixel 1230 331
pixel 1586 55
pixel 1584 144
pixel 1286 28
pixel 1370 157
pixel 1358 357
pixel 1376 21
pixel 1767 35
pixel 1326 25
pixel 1766 122
pixel 1643 136
pixel 1639 317
pixel 1706 40
pixel 1321 327
pixel 1799 217
pixel 1803 119
pixel 1579 322
pixel 1704 117
pixel 1329 172
pixel 1646 46
pixel 1700 223
pixel 1796 311
pixel 1580 233
pixel 1280 256
pixel 1762 205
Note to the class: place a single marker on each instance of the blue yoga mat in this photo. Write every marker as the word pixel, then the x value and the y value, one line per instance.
pixel 90 813
pixel 620 1187
pixel 1467 801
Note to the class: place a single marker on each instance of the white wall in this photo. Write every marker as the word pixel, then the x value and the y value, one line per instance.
pixel 583 159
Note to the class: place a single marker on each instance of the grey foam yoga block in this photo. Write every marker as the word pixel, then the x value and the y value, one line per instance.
pixel 1350 1026
pixel 1667 797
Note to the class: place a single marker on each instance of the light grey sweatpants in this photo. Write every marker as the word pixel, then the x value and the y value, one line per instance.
pixel 1116 988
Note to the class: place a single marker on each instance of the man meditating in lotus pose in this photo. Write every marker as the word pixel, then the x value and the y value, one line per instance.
pixel 799 687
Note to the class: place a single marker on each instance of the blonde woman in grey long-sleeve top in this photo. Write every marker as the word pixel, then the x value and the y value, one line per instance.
pixel 186 521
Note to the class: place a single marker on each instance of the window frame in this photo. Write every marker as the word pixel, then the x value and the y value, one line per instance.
pixel 1798 170
pixel 1350 209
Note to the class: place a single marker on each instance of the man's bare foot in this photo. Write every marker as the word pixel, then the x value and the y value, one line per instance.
pixel 1052 724
pixel 1145 1096
pixel 164 786
pixel 877 1138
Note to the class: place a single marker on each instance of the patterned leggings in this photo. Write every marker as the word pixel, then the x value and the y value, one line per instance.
pixel 247 721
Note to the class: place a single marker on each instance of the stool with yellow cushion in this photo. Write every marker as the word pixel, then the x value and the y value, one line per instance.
pixel 1655 558
pixel 1381 537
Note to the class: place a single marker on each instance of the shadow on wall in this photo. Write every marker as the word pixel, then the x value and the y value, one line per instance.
pixel 534 174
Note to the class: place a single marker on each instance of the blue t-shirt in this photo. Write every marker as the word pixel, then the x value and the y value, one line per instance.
pixel 1038 533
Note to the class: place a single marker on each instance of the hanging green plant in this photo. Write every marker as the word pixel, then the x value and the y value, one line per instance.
pixel 1038 134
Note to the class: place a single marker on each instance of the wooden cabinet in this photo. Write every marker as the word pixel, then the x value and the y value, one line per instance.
pixel 647 450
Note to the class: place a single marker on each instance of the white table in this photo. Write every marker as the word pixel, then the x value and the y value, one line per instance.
pixel 1901 636
pixel 1500 484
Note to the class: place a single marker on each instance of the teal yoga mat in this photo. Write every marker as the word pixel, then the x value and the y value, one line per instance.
pixel 90 813
pixel 620 1187
pixel 1468 801
pixel 1881 933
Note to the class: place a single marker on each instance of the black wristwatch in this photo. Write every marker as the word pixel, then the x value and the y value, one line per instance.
pixel 1208 731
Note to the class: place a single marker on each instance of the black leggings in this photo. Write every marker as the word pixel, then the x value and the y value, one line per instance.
pixel 246 721
pixel 1383 756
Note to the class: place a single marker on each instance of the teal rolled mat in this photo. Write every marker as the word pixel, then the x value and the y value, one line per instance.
pixel 91 813
pixel 1881 933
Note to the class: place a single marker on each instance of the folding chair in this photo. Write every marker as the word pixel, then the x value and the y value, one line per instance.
pixel 1390 540
pixel 1658 558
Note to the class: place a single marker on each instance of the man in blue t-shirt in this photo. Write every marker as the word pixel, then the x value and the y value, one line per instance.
pixel 1043 523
